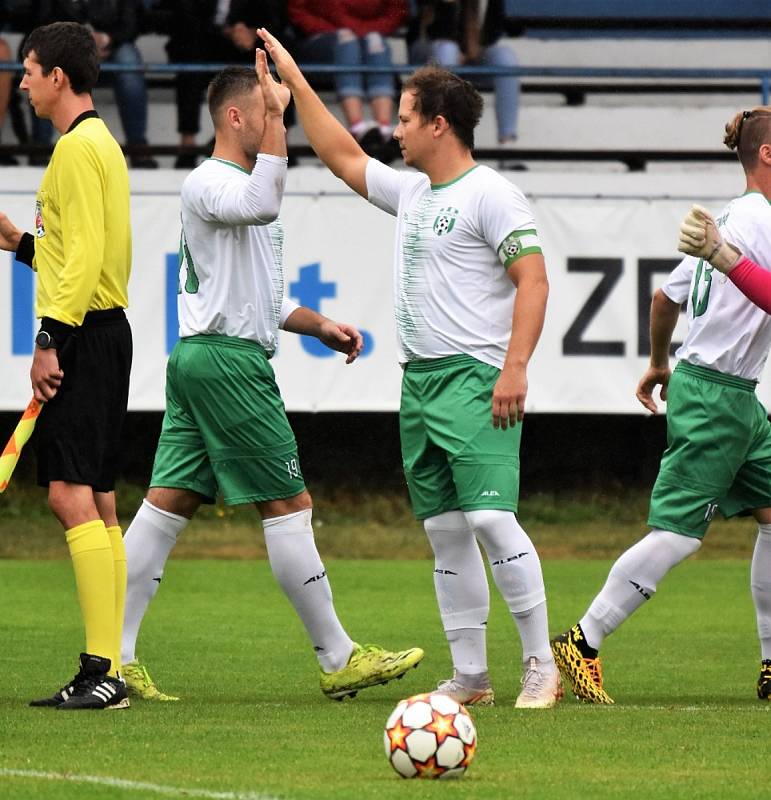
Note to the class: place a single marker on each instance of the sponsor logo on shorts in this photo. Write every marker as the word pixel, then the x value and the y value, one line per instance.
pixel 490 493
pixel 444 572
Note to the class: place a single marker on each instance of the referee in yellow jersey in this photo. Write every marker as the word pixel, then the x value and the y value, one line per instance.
pixel 81 251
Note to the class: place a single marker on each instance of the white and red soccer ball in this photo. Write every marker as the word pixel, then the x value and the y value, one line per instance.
pixel 430 736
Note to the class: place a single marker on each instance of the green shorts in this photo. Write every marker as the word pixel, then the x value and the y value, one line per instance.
pixel 225 425
pixel 718 454
pixel 453 457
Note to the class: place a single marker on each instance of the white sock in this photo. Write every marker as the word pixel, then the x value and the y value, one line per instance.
pixel 517 573
pixel 531 625
pixel 633 580
pixel 461 588
pixel 148 541
pixel 760 581
pixel 297 567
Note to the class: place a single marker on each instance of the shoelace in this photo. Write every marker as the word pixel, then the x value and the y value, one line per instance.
pixel 594 667
pixel 87 685
pixel 532 680
pixel 144 676
pixel 367 649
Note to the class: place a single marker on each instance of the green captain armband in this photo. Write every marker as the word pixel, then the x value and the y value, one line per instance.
pixel 518 244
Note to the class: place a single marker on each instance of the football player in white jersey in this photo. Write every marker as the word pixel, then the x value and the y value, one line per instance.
pixel 225 428
pixel 470 292
pixel 700 237
pixel 718 453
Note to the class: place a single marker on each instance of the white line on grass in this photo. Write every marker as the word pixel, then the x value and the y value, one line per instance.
pixel 136 786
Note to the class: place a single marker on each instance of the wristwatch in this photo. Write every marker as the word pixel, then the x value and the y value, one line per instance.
pixel 45 341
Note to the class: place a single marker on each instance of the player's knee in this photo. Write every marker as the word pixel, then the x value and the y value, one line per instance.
pixel 451 522
pixel 182 502
pixel 678 546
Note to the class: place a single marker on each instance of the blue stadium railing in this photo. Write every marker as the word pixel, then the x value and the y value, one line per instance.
pixel 627 80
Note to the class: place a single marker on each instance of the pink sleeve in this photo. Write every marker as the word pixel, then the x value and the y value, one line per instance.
pixel 753 281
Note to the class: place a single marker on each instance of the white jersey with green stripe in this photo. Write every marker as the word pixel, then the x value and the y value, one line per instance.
pixel 454 243
pixel 726 331
pixel 231 279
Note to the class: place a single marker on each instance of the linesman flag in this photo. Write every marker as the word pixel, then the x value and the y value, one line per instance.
pixel 19 437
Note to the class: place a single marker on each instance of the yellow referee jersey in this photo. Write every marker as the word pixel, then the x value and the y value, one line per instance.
pixel 82 226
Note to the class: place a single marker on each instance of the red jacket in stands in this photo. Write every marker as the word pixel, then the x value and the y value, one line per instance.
pixel 361 16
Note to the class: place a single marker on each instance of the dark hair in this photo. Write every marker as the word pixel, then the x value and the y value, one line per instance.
pixel 230 83
pixel 746 132
pixel 69 46
pixel 439 92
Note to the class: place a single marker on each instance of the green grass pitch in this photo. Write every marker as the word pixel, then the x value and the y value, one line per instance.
pixel 253 723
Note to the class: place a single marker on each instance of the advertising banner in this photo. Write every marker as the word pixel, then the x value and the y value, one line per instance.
pixel 609 242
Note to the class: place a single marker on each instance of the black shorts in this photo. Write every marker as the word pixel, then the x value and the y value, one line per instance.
pixel 78 433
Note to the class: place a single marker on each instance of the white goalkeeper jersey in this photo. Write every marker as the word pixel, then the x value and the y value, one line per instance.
pixel 231 279
pixel 727 332
pixel 454 242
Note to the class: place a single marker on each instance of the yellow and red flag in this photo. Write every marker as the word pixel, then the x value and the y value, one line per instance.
pixel 19 437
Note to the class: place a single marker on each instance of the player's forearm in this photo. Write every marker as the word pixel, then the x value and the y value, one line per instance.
pixel 527 319
pixel 274 136
pixel 724 257
pixel 329 139
pixel 304 321
pixel 753 281
pixel 664 316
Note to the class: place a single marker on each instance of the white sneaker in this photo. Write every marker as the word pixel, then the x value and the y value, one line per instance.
pixel 466 696
pixel 541 687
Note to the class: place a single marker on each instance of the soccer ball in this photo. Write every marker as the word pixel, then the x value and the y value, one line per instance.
pixel 430 736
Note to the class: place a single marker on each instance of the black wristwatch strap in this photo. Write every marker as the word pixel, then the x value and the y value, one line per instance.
pixel 59 331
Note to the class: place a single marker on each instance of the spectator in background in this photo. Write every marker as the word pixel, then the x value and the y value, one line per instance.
pixel 352 33
pixel 115 26
pixel 206 31
pixel 453 32
pixel 6 79
pixel 241 23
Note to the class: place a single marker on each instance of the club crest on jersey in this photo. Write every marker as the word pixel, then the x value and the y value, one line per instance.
pixel 40 230
pixel 445 220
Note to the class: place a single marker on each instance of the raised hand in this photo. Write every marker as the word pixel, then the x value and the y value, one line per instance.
pixel 285 65
pixel 698 233
pixel 275 95
pixel 700 237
